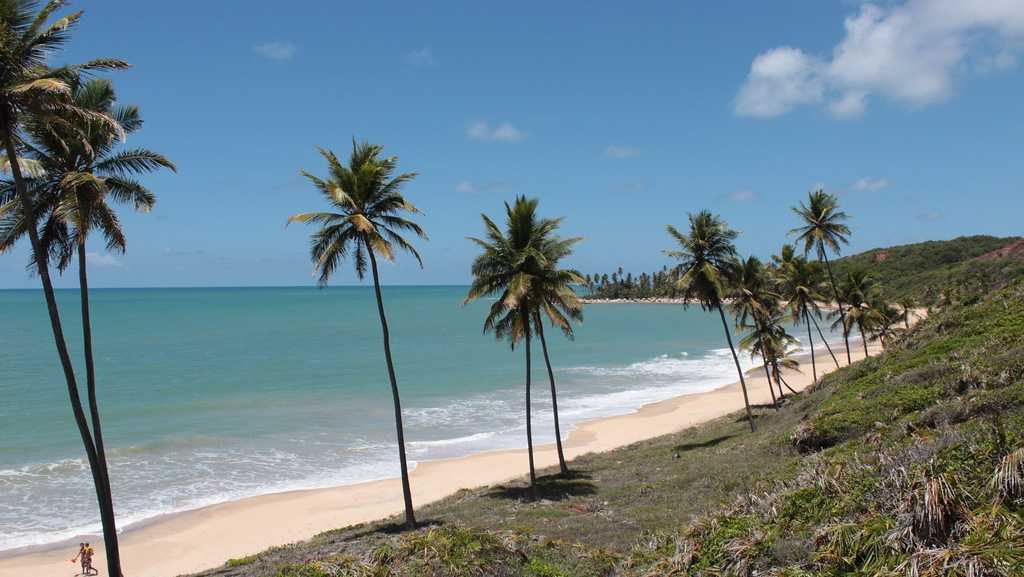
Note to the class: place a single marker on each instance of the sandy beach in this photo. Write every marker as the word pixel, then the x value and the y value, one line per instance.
pixel 205 538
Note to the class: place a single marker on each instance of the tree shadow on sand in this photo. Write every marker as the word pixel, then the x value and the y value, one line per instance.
pixel 555 487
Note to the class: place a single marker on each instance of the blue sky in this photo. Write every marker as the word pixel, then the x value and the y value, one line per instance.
pixel 620 117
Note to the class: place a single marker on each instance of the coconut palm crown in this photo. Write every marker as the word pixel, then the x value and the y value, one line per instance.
pixel 367 197
pixel 709 259
pixel 77 169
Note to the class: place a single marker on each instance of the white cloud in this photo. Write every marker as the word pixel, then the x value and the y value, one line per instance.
pixel 621 152
pixel 277 50
pixel 930 215
pixel 866 185
pixel 102 259
pixel 480 130
pixel 631 187
pixel 421 58
pixel 742 195
pixel 907 53
pixel 467 187
pixel 779 80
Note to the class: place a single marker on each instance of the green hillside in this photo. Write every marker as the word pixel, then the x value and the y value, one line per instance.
pixel 907 463
pixel 924 270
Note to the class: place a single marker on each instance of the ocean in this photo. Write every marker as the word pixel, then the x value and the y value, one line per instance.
pixel 215 394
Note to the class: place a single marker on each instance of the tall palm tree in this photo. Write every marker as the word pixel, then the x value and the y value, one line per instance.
pixel 367 196
pixel 823 230
pixel 560 303
pixel 520 266
pixel 77 172
pixel 708 264
pixel 30 89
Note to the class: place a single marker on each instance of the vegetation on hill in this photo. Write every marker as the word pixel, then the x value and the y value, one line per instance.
pixel 907 463
pixel 920 271
pixel 935 271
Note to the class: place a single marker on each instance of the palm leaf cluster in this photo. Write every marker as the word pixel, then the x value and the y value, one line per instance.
pixel 519 266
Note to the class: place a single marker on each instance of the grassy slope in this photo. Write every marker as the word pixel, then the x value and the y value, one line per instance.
pixel 909 270
pixel 910 461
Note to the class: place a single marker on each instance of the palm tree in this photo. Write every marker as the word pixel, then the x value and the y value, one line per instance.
pixel 775 345
pixel 560 303
pixel 77 172
pixel 802 278
pixel 886 316
pixel 824 231
pixel 367 225
pixel 906 304
pixel 520 266
pixel 709 263
pixel 753 304
pixel 30 89
pixel 856 291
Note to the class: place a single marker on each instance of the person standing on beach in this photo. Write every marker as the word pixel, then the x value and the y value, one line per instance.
pixel 81 556
pixel 87 561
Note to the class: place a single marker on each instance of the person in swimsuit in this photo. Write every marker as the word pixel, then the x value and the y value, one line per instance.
pixel 87 560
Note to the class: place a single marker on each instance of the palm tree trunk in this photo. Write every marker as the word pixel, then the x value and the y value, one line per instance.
pixel 42 267
pixel 739 371
pixel 824 340
pixel 410 517
pixel 785 383
pixel 104 491
pixel 529 424
pixel 768 375
pixel 842 315
pixel 810 343
pixel 863 340
pixel 562 466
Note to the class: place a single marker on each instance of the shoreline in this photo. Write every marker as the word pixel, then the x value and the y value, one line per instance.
pixel 205 538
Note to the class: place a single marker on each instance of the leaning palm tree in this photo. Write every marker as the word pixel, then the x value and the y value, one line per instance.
pixel 367 196
pixel 519 265
pixel 776 347
pixel 823 230
pixel 30 89
pixel 753 303
pixel 886 315
pixel 907 305
pixel 856 291
pixel 802 278
pixel 709 262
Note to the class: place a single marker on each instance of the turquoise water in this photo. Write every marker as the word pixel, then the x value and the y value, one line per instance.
pixel 209 395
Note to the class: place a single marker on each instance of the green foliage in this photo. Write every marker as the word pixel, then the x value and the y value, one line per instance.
pixel 898 492
pixel 921 270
